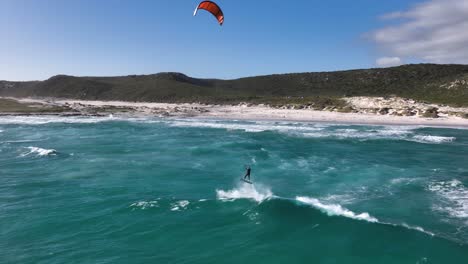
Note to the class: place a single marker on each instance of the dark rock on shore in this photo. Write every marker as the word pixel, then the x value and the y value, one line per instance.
pixel 384 111
pixel 432 112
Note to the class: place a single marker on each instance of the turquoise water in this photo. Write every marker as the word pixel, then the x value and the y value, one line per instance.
pixel 109 190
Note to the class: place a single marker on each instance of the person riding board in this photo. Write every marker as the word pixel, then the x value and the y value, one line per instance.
pixel 247 173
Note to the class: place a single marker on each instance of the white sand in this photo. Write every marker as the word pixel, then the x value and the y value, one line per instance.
pixel 265 113
pixel 244 112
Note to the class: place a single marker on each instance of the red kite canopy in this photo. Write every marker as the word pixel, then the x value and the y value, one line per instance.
pixel 213 8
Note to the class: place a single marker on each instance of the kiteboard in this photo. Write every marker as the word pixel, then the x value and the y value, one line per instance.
pixel 246 181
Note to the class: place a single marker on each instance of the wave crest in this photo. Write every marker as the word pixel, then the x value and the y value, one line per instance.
pixel 336 209
pixel 259 126
pixel 454 195
pixel 145 204
pixel 246 191
pixel 180 205
pixel 40 152
pixel 41 120
pixel 433 139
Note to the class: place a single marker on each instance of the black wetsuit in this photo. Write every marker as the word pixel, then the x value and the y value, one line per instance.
pixel 247 174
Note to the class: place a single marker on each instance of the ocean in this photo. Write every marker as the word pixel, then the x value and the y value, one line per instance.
pixel 148 190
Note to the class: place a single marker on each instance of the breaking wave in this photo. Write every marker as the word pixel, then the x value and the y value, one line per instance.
pixel 260 195
pixel 454 198
pixel 247 127
pixel 319 130
pixel 404 181
pixel 246 191
pixel 145 204
pixel 40 120
pixel 410 227
pixel 433 139
pixel 336 209
pixel 40 152
pixel 311 130
pixel 20 141
pixel 180 205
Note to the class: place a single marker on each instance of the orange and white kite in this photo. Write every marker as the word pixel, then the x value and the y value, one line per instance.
pixel 213 8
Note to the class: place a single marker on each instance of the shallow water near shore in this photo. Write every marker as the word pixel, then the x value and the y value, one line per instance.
pixel 142 190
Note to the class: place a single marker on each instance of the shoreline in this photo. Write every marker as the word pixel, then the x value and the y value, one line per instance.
pixel 268 114
pixel 345 123
pixel 229 112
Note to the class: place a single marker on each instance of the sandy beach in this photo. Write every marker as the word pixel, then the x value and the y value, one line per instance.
pixel 265 113
pixel 249 112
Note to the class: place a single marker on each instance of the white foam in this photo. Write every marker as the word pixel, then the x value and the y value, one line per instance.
pixel 341 198
pixel 454 195
pixel 314 130
pixel 180 205
pixel 329 169
pixel 246 191
pixel 381 133
pixel 40 120
pixel 336 209
pixel 417 228
pixel 404 181
pixel 366 134
pixel 40 152
pixel 433 139
pixel 247 127
pixel 21 141
pixel 184 203
pixel 397 130
pixel 302 129
pixel 145 204
pixel 302 163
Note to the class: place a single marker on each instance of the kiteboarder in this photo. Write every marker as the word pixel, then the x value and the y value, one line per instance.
pixel 247 173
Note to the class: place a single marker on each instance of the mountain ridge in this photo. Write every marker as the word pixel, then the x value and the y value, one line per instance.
pixel 437 83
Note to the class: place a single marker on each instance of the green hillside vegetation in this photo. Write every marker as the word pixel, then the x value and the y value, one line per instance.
pixel 12 106
pixel 443 84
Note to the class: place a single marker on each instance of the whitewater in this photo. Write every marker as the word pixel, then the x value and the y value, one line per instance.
pixel 150 190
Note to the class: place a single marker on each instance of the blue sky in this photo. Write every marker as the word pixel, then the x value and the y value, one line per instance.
pixel 42 38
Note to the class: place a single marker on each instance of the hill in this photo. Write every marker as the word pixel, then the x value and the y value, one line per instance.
pixel 443 84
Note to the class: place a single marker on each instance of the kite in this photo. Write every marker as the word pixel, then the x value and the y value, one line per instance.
pixel 213 8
